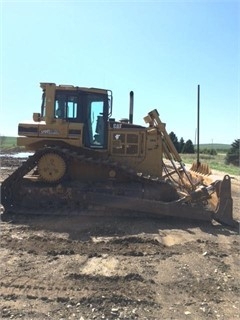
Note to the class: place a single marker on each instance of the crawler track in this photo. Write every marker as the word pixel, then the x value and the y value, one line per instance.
pixel 22 193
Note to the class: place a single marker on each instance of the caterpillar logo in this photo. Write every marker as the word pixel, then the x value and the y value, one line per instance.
pixel 117 126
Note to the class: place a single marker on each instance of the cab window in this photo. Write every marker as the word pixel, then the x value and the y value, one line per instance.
pixel 66 107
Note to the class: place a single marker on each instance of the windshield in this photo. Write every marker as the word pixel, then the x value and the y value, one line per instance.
pixel 110 103
pixel 43 106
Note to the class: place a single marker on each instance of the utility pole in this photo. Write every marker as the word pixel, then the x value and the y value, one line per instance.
pixel 198 124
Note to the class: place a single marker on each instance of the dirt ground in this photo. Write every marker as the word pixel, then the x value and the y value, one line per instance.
pixel 118 268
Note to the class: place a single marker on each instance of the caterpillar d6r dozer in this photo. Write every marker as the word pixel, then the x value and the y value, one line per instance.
pixel 85 161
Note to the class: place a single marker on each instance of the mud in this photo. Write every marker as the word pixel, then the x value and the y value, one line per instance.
pixel 117 268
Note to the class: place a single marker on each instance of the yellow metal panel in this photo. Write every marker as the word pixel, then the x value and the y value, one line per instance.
pixel 33 144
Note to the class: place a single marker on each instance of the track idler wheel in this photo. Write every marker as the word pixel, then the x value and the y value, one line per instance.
pixel 52 167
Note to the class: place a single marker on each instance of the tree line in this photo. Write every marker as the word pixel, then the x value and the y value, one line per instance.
pixel 181 146
pixel 233 154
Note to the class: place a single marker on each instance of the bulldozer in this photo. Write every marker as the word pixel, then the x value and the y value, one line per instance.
pixel 84 160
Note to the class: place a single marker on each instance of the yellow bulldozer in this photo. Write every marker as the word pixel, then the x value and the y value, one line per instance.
pixel 84 160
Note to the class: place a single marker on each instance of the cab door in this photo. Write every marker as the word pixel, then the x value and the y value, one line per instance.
pixel 96 121
pixel 68 115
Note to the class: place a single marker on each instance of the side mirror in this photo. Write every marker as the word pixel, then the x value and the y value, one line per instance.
pixel 36 117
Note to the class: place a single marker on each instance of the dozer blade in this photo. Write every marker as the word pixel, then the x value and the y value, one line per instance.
pixel 224 209
pixel 220 209
pixel 221 200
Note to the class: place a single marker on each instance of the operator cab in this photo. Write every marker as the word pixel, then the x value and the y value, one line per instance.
pixel 88 106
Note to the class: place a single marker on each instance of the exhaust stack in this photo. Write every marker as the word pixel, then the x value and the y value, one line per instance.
pixel 131 107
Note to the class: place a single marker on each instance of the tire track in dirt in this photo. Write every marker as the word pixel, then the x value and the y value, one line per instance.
pixel 78 282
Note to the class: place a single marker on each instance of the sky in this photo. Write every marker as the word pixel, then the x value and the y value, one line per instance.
pixel 161 50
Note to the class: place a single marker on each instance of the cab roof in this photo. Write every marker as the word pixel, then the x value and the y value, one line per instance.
pixel 67 87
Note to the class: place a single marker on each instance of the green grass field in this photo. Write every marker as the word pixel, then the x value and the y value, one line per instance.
pixel 8 142
pixel 215 162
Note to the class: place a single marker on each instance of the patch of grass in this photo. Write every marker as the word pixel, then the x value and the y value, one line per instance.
pixel 7 142
pixel 215 162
